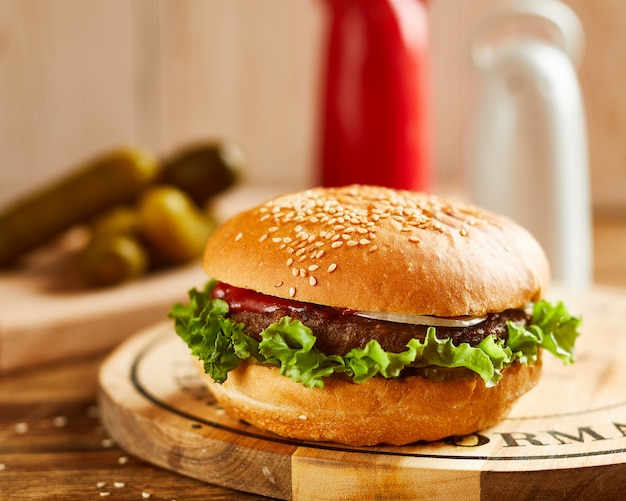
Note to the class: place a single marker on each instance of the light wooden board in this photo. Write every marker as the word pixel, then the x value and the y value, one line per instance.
pixel 48 314
pixel 566 439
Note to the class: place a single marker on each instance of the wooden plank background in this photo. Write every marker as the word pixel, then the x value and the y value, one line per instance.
pixel 80 76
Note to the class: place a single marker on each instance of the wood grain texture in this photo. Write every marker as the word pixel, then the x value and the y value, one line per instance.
pixel 53 446
pixel 77 77
pixel 558 441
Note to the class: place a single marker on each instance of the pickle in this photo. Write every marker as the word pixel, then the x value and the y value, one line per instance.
pixel 113 258
pixel 120 220
pixel 205 170
pixel 109 180
pixel 173 226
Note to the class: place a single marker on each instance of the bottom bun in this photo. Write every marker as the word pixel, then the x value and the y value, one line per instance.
pixel 389 411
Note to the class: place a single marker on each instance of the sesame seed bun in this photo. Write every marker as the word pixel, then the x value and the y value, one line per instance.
pixel 381 250
pixel 377 249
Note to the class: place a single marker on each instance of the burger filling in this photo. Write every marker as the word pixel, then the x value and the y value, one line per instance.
pixel 338 330
pixel 225 325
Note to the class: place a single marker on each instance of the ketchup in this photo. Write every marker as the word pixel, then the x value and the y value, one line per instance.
pixel 239 300
pixel 376 113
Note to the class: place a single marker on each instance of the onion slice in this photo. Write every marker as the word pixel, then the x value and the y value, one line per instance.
pixel 407 318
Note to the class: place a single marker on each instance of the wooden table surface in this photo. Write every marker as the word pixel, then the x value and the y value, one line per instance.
pixel 52 445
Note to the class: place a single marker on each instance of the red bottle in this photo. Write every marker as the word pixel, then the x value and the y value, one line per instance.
pixel 376 123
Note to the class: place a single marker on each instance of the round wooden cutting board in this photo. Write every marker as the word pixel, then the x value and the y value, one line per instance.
pixel 566 439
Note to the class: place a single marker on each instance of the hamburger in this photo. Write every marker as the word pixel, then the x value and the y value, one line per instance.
pixel 365 315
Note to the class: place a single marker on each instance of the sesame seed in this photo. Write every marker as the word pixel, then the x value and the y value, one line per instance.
pixel 352 243
pixel 122 459
pixel 21 428
pixel 278 284
pixel 100 485
pixel 332 267
pixel 292 291
pixel 119 485
pixel 303 417
pixel 373 248
pixel 312 281
pixel 320 253
pixel 277 240
pixel 463 232
pixel 145 495
pixel 265 217
pixel 302 272
pixel 59 422
pixel 414 239
pixel 263 237
pixel 364 241
pixel 272 229
pixel 238 237
pixel 295 272
pixel 105 494
pixel 3 466
pixel 289 261
pixel 337 244
pixel 314 267
pixel 107 443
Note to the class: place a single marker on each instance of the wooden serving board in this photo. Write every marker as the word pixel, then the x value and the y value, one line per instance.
pixel 566 439
pixel 48 312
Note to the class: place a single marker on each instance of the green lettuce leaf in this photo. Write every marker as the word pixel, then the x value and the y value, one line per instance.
pixel 219 342
pixel 289 344
pixel 222 345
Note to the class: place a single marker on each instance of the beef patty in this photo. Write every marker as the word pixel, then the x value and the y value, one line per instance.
pixel 342 331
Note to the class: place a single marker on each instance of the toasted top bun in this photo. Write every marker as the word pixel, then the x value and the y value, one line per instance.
pixel 378 249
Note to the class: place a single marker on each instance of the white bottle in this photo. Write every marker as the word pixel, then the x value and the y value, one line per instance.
pixel 529 155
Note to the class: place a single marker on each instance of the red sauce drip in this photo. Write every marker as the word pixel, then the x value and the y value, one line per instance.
pixel 239 299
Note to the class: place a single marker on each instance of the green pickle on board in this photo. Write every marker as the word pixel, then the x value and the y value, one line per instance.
pixel 111 179
pixel 114 253
pixel 123 219
pixel 204 170
pixel 172 225
pixel 142 212
pixel 113 258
